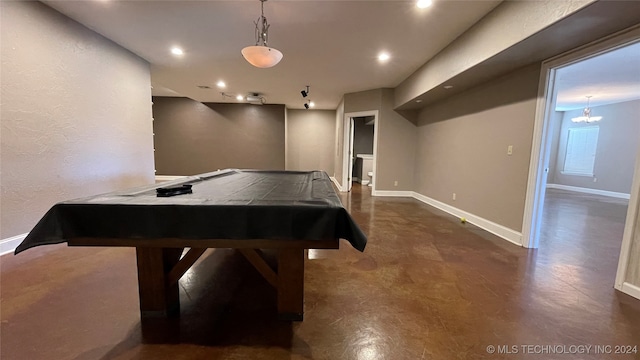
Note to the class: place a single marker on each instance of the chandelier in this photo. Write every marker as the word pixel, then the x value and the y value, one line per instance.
pixel 261 55
pixel 586 115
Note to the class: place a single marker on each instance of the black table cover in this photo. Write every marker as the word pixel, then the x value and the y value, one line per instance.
pixel 227 204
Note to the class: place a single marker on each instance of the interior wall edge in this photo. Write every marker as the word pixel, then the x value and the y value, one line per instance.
pixel 9 245
pixel 631 290
pixel 589 191
pixel 510 235
pixel 336 183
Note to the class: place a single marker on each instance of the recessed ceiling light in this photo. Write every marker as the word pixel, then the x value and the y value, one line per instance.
pixel 418 101
pixel 383 57
pixel 221 84
pixel 424 3
pixel 176 51
pixel 447 87
pixel 239 98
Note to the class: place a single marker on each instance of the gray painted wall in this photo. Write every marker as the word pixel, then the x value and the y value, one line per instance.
pixel 193 138
pixel 310 140
pixel 76 114
pixel 618 139
pixel 462 148
pixel 339 141
pixel 396 139
pixel 362 135
pixel 397 145
pixel 554 131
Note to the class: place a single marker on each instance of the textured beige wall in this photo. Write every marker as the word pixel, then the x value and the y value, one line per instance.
pixel 339 142
pixel 363 101
pixel 618 140
pixel 462 148
pixel 554 130
pixel 75 117
pixel 362 136
pixel 397 144
pixel 487 38
pixel 396 139
pixel 193 138
pixel 310 140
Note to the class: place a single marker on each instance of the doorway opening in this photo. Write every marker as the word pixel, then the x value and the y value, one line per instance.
pixel 360 142
pixel 582 196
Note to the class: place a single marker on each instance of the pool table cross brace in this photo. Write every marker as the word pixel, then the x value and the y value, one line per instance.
pixel 159 270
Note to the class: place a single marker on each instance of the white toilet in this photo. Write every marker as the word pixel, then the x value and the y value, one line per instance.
pixel 370 175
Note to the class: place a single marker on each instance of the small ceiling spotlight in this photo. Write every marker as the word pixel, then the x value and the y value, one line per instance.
pixel 305 93
pixel 384 57
pixel 309 104
pixel 239 97
pixel 306 105
pixel 221 84
pixel 424 3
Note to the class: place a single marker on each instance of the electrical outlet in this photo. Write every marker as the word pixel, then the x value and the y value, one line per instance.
pixel 454 196
pixel 595 179
pixel 395 183
pixel 510 150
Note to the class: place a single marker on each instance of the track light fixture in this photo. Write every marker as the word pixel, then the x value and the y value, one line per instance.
pixel 305 93
pixel 309 104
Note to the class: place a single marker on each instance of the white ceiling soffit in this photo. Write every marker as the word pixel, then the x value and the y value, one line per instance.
pixel 330 45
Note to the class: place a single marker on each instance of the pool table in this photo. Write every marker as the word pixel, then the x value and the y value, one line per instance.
pixel 247 210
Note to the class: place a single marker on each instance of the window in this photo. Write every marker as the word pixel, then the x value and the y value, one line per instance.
pixel 581 151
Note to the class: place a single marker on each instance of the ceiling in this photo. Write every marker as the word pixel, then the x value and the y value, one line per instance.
pixel 332 46
pixel 608 78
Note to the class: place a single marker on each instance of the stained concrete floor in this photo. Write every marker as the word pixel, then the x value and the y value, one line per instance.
pixel 426 287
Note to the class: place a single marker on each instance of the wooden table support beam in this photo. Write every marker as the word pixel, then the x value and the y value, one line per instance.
pixel 184 264
pixel 261 265
pixel 291 284
pixel 158 297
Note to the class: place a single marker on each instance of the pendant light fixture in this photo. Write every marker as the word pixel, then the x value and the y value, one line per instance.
pixel 586 115
pixel 261 55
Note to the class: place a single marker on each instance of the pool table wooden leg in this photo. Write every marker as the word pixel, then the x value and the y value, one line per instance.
pixel 158 297
pixel 291 284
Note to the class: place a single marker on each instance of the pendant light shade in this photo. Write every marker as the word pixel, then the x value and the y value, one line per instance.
pixel 261 55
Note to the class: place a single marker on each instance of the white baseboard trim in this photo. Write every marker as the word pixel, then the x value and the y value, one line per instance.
pixel 392 193
pixel 631 290
pixel 336 183
pixel 510 235
pixel 9 245
pixel 168 177
pixel 590 191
